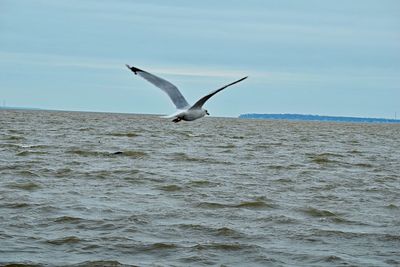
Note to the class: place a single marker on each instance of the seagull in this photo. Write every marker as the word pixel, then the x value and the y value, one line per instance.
pixel 185 111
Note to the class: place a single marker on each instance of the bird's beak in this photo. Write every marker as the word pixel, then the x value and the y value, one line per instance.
pixel 207 112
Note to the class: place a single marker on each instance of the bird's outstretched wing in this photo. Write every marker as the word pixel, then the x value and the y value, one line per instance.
pixel 203 100
pixel 171 90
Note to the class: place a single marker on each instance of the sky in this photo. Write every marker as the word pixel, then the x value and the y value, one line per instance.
pixel 339 58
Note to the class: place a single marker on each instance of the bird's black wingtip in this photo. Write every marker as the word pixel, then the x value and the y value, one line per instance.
pixel 135 70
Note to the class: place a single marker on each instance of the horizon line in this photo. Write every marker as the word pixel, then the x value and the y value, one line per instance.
pixel 122 112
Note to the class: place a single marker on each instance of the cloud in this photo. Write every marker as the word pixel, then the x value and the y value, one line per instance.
pixel 49 60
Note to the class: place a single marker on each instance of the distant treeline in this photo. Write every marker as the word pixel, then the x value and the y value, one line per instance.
pixel 300 117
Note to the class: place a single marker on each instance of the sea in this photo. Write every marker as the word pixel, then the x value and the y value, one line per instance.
pixel 102 189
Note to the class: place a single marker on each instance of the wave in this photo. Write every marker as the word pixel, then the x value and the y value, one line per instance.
pixel 355 151
pixel 35 146
pixel 225 246
pixel 325 158
pixel 181 156
pixel 64 240
pixel 101 263
pixel 121 134
pixel 86 129
pixel 318 213
pixel 392 206
pixel 201 183
pixel 133 154
pixel 171 188
pixel 88 153
pixel 276 167
pixel 160 246
pixel 27 173
pixel 226 146
pixel 282 219
pixel 15 205
pixel 254 205
pixel 352 234
pixel 257 204
pixel 15 138
pixel 364 165
pixel 68 219
pixel 205 229
pixel 28 186
pixel 324 214
pixel 29 152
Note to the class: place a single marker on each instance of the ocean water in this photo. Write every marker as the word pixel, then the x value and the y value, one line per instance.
pixel 93 189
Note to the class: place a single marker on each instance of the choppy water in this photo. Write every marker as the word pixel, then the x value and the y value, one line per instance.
pixel 218 192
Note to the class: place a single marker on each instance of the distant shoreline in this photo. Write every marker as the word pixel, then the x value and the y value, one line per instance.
pixel 301 117
pixel 69 110
pixel 287 117
pixel 18 108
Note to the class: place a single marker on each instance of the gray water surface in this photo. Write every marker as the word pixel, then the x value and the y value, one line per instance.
pixel 92 189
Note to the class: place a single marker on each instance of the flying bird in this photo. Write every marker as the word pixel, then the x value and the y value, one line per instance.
pixel 185 111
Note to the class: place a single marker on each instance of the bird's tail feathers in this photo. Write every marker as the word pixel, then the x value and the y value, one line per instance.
pixel 173 115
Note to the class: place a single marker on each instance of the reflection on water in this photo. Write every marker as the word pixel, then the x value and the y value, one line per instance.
pixel 92 189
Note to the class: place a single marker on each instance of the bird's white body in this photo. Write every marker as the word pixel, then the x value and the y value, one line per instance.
pixel 185 112
pixel 192 114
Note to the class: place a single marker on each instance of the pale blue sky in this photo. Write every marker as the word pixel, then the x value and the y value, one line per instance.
pixel 312 57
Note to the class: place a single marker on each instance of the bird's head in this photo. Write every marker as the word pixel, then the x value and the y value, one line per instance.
pixel 206 111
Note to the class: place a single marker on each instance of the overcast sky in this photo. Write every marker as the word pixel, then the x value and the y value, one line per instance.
pixel 311 57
